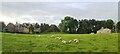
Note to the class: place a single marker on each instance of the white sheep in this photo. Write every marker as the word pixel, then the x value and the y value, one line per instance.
pixel 52 36
pixel 70 41
pixel 57 38
pixel 60 38
pixel 64 41
pixel 76 40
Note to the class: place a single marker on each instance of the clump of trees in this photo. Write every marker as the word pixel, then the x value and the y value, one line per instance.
pixel 67 25
pixel 118 26
pixel 71 25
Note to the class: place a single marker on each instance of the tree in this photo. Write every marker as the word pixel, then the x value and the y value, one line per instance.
pixel 89 26
pixel 31 28
pixel 68 25
pixel 118 26
pixel 44 27
pixel 53 28
pixel 83 27
pixel 109 24
pixel 2 26
pixel 37 25
pixel 98 25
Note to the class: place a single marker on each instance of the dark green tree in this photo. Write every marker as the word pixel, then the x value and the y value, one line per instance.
pixel 44 27
pixel 84 27
pixel 37 25
pixel 98 25
pixel 53 28
pixel 31 28
pixel 109 24
pixel 118 26
pixel 68 25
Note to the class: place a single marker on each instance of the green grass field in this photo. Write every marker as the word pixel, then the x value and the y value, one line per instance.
pixel 12 42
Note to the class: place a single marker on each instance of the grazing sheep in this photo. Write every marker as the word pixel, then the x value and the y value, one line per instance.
pixel 76 40
pixel 70 41
pixel 60 38
pixel 64 41
pixel 52 36
pixel 57 38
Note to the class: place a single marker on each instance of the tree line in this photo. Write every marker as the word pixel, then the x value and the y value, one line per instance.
pixel 67 25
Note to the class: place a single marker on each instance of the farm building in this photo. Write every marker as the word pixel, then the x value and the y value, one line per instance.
pixel 21 28
pixel 37 30
pixel 2 26
pixel 10 28
pixel 102 30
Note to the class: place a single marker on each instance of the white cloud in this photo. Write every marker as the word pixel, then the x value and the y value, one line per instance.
pixel 52 13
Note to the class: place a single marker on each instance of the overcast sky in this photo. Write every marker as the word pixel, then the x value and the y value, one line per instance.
pixel 53 11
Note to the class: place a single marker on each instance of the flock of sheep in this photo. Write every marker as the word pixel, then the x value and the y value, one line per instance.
pixel 64 41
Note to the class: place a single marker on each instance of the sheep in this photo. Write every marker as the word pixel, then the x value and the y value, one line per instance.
pixel 64 41
pixel 57 38
pixel 60 38
pixel 76 40
pixel 52 36
pixel 70 41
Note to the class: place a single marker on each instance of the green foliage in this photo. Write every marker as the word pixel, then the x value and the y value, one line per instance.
pixel 109 24
pixel 118 26
pixel 37 25
pixel 68 25
pixel 53 28
pixel 44 27
pixel 31 28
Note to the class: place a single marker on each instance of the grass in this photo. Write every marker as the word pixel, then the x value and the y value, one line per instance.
pixel 0 42
pixel 44 43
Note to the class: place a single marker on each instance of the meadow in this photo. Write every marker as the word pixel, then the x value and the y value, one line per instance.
pixel 12 42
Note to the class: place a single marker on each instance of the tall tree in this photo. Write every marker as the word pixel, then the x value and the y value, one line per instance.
pixel 44 27
pixel 83 26
pixel 98 25
pixel 109 24
pixel 53 28
pixel 68 25
pixel 37 25
pixel 31 28
pixel 118 26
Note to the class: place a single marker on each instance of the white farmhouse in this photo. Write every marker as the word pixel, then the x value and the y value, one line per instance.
pixel 102 30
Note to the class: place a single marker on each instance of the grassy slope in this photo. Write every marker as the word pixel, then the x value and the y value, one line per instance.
pixel 34 43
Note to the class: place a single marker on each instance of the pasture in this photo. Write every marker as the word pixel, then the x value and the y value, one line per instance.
pixel 12 42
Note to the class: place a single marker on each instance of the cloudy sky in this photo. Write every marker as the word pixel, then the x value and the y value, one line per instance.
pixel 53 11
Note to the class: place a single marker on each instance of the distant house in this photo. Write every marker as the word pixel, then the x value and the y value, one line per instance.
pixel 102 30
pixel 25 30
pixel 37 30
pixel 10 28
pixel 2 26
pixel 21 28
